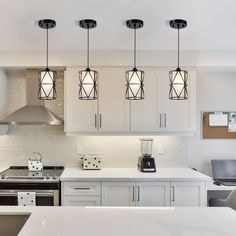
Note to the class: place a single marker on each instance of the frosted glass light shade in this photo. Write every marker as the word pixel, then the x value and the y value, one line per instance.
pixel 88 84
pixel 47 85
pixel 134 84
pixel 178 84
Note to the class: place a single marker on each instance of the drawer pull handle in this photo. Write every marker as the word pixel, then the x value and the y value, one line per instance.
pixel 81 188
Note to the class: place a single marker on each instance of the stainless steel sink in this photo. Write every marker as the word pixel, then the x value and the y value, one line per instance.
pixel 10 225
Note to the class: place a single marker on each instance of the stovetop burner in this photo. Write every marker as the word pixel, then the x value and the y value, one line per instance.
pixel 22 173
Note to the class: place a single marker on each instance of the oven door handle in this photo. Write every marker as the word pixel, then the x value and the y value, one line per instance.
pixel 39 194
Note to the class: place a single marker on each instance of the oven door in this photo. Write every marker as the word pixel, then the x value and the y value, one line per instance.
pixel 43 197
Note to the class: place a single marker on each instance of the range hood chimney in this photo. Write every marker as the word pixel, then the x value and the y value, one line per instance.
pixel 34 112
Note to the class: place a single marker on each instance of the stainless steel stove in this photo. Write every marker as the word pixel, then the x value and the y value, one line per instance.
pixel 45 183
pixel 22 174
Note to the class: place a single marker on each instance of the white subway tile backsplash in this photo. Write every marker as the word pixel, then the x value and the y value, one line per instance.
pixel 59 149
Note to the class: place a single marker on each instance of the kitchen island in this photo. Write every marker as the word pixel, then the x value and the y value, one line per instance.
pixel 130 221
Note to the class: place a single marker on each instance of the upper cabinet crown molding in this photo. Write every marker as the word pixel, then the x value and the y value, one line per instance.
pixel 112 113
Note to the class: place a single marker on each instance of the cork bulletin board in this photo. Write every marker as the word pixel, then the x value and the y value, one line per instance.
pixel 219 125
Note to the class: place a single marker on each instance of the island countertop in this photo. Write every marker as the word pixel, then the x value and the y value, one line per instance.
pixel 161 174
pixel 102 221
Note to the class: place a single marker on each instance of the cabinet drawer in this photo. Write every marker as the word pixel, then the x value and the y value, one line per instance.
pixel 81 201
pixel 81 188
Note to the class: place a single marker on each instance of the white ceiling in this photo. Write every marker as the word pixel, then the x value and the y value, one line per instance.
pixel 211 24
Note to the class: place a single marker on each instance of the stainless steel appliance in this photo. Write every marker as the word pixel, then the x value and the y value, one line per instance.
pixel 45 183
pixel 35 112
pixel 146 163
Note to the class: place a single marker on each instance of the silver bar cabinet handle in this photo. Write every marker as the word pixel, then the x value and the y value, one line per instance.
pixel 160 120
pixel 81 188
pixel 95 120
pixel 165 120
pixel 173 193
pixel 133 194
pixel 100 120
pixel 138 193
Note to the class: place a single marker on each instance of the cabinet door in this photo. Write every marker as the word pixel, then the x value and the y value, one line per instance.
pixel 188 194
pixel 113 107
pixel 118 194
pixel 80 115
pixel 145 114
pixel 81 201
pixel 178 115
pixel 153 194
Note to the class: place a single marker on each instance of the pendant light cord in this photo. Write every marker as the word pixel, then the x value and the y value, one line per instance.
pixel 178 47
pixel 87 47
pixel 134 47
pixel 47 49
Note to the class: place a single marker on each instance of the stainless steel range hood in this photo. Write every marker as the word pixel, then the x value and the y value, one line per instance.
pixel 32 115
pixel 34 112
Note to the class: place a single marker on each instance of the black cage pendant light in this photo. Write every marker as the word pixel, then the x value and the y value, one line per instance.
pixel 134 77
pixel 47 77
pixel 178 78
pixel 88 78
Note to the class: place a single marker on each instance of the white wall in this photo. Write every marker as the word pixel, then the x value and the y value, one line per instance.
pixel 216 91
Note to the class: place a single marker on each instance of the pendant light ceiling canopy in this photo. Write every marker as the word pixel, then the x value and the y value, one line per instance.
pixel 47 77
pixel 134 77
pixel 88 78
pixel 178 78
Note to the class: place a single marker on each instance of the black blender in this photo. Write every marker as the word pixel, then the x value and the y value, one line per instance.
pixel 146 163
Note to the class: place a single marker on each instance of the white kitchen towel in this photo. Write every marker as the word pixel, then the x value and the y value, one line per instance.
pixel 26 198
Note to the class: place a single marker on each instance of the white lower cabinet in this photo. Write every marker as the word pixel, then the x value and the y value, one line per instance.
pixel 135 193
pixel 76 193
pixel 162 193
pixel 118 193
pixel 188 194
pixel 152 193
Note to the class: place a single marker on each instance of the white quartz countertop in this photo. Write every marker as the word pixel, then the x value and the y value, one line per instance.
pixel 130 221
pixel 165 174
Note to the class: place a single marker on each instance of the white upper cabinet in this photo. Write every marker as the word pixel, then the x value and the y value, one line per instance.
pixel 157 113
pixel 113 107
pixel 109 113
pixel 145 114
pixel 113 113
pixel 178 115
pixel 80 115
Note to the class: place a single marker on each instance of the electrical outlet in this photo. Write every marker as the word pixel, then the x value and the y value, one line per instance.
pixel 79 149
pixel 160 149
